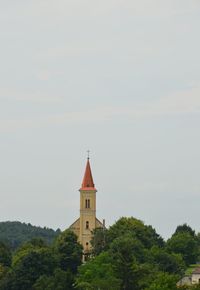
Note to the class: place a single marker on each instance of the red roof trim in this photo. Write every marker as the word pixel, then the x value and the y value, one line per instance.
pixel 88 188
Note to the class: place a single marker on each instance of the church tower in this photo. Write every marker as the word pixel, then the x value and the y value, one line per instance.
pixel 87 222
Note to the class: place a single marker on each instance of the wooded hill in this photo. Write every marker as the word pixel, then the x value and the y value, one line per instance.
pixel 16 233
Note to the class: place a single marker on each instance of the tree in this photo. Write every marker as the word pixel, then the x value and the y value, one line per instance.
pixel 17 233
pixel 184 229
pixel 171 263
pixel 61 280
pixel 7 281
pixel 34 244
pixel 5 255
pixel 99 241
pixel 98 274
pixel 68 251
pixel 163 281
pixel 31 266
pixel 185 244
pixel 127 253
pixel 145 234
pixel 3 271
pixel 31 261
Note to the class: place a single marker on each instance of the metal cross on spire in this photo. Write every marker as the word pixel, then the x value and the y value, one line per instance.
pixel 88 154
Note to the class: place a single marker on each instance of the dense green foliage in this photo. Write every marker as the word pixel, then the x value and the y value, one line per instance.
pixel 128 256
pixel 5 255
pixel 137 258
pixel 37 265
pixel 17 233
pixel 99 273
pixel 68 251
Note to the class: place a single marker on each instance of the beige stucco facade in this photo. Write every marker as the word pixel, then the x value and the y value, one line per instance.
pixel 195 278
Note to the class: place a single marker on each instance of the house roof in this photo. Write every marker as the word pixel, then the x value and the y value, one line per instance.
pixel 196 271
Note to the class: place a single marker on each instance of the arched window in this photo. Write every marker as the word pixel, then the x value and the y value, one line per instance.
pixel 88 203
pixel 87 225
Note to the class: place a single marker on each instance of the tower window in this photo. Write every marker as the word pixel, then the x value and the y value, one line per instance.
pixel 87 203
pixel 87 225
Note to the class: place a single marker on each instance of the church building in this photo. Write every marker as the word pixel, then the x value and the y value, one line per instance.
pixel 87 221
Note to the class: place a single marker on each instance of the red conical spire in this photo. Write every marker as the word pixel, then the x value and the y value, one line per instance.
pixel 87 183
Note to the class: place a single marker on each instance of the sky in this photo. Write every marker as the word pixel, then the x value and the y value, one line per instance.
pixel 121 78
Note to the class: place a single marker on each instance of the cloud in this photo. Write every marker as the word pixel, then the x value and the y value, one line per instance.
pixel 183 102
pixel 178 103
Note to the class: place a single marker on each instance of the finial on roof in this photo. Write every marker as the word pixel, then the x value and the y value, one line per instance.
pixel 88 154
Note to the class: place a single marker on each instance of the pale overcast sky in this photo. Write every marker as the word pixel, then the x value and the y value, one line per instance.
pixel 120 77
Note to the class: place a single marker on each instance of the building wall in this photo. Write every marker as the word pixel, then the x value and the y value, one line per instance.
pixel 87 217
pixel 75 227
pixel 195 278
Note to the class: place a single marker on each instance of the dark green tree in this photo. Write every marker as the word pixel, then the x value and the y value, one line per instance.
pixel 99 241
pixel 184 229
pixel 185 244
pixel 127 252
pixel 145 234
pixel 68 251
pixel 3 271
pixel 61 280
pixel 166 262
pixel 31 266
pixel 7 282
pixel 5 255
pixel 16 233
pixel 31 261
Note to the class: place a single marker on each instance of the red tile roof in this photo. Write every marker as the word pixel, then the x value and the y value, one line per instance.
pixel 87 183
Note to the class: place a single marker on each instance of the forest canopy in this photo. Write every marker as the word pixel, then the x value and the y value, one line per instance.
pixel 127 256
pixel 16 233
